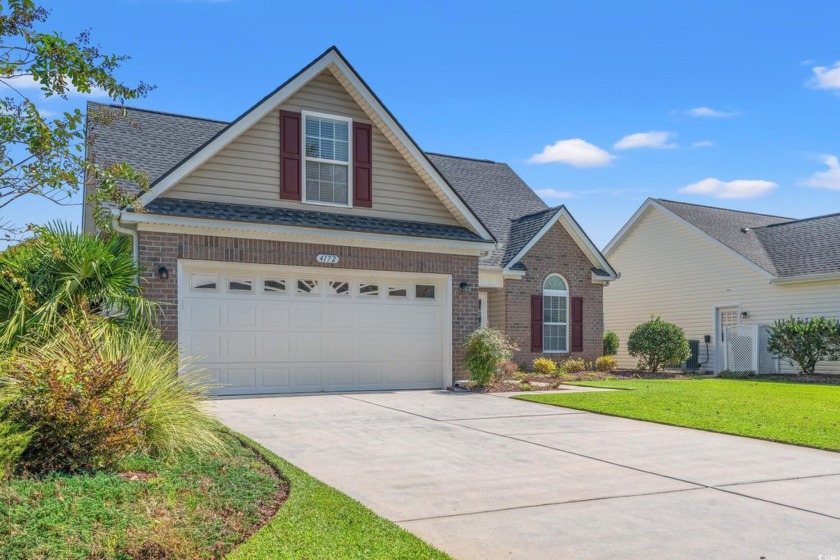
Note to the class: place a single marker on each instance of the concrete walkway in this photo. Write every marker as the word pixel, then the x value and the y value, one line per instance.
pixel 484 477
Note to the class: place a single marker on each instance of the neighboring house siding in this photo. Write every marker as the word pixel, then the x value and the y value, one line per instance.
pixel 248 170
pixel 496 309
pixel 555 252
pixel 669 268
pixel 164 249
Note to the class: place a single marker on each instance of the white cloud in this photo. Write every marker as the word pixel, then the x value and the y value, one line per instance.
pixel 27 83
pixel 658 140
pixel 555 194
pixel 709 113
pixel 575 151
pixel 741 188
pixel 826 77
pixel 828 179
pixel 703 144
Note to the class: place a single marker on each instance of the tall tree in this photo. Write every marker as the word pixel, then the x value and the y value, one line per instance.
pixel 43 155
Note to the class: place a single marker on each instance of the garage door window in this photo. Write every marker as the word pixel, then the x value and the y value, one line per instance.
pixel 307 287
pixel 422 291
pixel 203 282
pixel 397 291
pixel 274 287
pixel 338 288
pixel 240 284
pixel 369 290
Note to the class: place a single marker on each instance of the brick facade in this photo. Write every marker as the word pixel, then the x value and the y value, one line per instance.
pixel 164 249
pixel 555 252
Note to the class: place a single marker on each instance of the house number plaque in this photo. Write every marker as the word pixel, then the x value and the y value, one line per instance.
pixel 327 259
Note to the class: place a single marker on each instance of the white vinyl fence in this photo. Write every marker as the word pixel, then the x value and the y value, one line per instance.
pixel 746 349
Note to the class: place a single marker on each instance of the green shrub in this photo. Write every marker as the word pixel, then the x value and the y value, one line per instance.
pixel 485 350
pixel 13 442
pixel 610 343
pixel 727 374
pixel 657 343
pixel 606 364
pixel 805 341
pixel 544 366
pixel 82 410
pixel 573 365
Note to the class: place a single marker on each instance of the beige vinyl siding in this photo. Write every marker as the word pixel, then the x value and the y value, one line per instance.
pixel 247 171
pixel 496 309
pixel 669 268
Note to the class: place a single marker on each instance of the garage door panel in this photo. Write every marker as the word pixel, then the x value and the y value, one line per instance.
pixel 240 346
pixel 274 315
pixel 337 335
pixel 308 315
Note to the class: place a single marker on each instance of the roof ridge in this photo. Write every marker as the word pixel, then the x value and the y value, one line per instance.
pixel 721 208
pixel 465 158
pixel 800 220
pixel 167 113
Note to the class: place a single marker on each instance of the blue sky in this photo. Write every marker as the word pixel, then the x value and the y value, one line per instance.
pixel 597 105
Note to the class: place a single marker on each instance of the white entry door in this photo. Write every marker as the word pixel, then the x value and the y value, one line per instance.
pixel 260 329
pixel 726 317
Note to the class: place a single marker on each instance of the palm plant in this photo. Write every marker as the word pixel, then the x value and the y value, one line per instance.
pixel 62 273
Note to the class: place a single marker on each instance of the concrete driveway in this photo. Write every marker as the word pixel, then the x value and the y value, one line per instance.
pixel 483 476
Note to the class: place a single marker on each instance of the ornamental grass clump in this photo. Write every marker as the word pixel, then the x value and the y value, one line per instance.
pixel 486 349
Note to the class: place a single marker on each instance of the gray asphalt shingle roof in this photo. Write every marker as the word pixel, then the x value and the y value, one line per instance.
pixel 784 247
pixel 154 142
pixel 496 194
pixel 524 229
pixel 306 218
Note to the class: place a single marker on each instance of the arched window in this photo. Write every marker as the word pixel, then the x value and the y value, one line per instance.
pixel 555 314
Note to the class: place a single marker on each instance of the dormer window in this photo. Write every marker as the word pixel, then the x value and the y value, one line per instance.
pixel 326 161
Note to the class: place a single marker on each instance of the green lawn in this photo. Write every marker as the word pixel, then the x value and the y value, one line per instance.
pixel 318 522
pixel 786 412
pixel 187 507
pixel 195 507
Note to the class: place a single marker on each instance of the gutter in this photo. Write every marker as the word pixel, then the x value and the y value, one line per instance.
pixel 135 239
pixel 806 278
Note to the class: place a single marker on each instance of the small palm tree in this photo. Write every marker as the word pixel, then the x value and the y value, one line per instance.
pixel 62 273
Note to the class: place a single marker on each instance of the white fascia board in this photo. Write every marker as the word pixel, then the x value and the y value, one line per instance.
pixel 807 278
pixel 581 239
pixel 622 233
pixel 723 246
pixel 490 278
pixel 270 103
pixel 223 228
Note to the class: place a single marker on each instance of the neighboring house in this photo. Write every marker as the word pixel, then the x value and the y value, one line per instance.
pixel 311 245
pixel 707 269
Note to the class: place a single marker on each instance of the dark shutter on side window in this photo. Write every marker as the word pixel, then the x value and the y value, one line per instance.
pixel 536 324
pixel 290 154
pixel 577 324
pixel 362 159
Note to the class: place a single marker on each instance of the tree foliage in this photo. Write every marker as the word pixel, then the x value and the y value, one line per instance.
pixel 657 343
pixel 43 155
pixel 805 341
pixel 62 273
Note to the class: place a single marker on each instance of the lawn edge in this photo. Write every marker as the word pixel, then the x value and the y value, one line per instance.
pixel 277 463
pixel 531 399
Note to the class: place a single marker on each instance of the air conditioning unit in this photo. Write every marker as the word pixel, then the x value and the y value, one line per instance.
pixel 693 361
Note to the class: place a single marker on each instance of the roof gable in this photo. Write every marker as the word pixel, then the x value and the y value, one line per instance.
pixel 333 61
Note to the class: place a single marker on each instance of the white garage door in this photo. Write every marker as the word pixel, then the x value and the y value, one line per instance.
pixel 289 329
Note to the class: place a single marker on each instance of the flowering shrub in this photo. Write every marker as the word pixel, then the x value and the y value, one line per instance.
pixel 486 349
pixel 545 366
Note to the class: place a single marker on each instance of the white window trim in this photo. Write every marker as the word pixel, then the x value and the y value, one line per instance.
pixel 304 159
pixel 556 293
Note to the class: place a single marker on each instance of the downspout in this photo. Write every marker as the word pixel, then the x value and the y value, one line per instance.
pixel 135 239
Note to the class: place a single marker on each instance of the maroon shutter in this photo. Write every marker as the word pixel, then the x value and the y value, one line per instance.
pixel 536 324
pixel 362 157
pixel 577 324
pixel 290 155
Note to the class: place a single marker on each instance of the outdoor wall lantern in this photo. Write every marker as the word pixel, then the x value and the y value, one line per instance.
pixel 163 273
pixel 745 314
